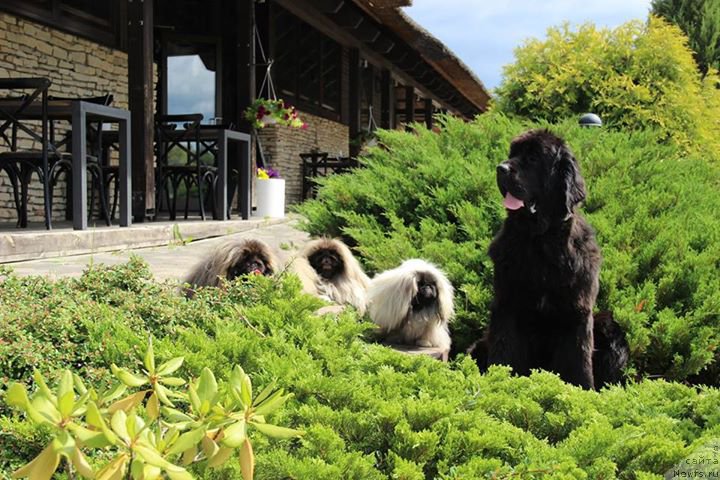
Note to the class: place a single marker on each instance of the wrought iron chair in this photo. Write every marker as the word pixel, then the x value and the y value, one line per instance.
pixel 193 173
pixel 21 163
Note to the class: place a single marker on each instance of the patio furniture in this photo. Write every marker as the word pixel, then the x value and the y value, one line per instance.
pixel 194 172
pixel 64 164
pixel 319 164
pixel 76 111
pixel 19 163
pixel 232 167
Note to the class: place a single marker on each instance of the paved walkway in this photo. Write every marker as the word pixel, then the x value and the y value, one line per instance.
pixel 171 262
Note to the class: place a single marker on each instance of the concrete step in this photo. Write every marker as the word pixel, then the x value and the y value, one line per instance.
pixel 32 244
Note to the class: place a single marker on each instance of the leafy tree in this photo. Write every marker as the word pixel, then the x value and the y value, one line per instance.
pixel 636 76
pixel 700 20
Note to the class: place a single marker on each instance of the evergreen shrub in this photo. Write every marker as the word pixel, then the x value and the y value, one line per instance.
pixel 656 212
pixel 368 412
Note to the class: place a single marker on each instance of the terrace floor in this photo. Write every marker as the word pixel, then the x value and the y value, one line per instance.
pixel 170 248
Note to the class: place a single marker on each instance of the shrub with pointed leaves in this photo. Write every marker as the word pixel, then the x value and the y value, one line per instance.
pixel 213 424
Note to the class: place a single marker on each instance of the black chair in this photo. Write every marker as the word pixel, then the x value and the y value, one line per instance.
pixel 192 172
pixel 63 166
pixel 319 164
pixel 19 163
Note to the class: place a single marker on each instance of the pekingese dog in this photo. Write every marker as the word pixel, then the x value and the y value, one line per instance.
pixel 230 260
pixel 328 269
pixel 412 304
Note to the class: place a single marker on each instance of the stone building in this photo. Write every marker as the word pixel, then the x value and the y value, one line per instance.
pixel 347 66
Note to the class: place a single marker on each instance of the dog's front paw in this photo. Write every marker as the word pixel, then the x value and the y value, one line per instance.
pixel 423 343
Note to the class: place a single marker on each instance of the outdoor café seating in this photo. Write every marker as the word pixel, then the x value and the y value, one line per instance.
pixel 192 172
pixel 30 119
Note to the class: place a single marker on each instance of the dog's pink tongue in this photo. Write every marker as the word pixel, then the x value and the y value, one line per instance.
pixel 512 203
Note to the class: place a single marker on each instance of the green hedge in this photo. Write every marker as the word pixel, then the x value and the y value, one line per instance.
pixel 656 213
pixel 369 412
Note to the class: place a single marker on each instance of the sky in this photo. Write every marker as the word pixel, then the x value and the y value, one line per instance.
pixel 484 33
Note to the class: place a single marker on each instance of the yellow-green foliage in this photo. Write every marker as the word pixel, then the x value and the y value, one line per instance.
pixel 636 76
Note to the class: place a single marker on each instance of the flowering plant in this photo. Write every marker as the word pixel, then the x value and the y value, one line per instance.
pixel 265 111
pixel 266 173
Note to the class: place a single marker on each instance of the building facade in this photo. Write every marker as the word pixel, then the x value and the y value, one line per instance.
pixel 347 66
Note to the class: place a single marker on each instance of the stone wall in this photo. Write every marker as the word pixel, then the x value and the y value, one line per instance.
pixel 77 68
pixel 283 145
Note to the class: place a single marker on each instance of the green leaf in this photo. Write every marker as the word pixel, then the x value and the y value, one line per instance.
pixel 129 402
pixel 234 435
pixel 128 378
pixel 246 390
pixel 42 387
pixel 273 402
pixel 220 457
pixel 207 388
pixel 16 396
pixel 170 366
pixel 265 392
pixel 81 464
pixel 172 381
pixel 79 384
pixel 66 402
pixel 152 407
pixel 115 470
pixel 66 384
pixel 149 360
pixel 64 443
pixel 162 393
pixel 174 415
pixel 41 467
pixel 195 402
pixel 150 455
pixel 91 438
pixel 119 426
pixel 115 392
pixel 276 432
pixel 46 408
pixel 186 441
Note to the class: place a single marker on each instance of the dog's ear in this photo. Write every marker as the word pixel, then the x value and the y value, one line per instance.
pixel 568 181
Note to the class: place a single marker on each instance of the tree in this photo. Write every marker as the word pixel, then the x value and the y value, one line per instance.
pixel 636 76
pixel 700 20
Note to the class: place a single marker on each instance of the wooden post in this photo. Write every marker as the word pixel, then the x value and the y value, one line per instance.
pixel 354 98
pixel 140 102
pixel 387 100
pixel 238 86
pixel 429 111
pixel 409 105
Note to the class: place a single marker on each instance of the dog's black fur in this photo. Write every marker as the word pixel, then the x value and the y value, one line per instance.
pixel 546 265
pixel 610 353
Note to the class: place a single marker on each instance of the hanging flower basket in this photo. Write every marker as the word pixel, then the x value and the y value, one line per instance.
pixel 265 111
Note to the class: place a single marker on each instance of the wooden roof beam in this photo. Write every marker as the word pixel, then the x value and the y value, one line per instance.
pixel 329 6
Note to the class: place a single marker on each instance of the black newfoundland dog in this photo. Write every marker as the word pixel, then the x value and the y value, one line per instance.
pixel 546 264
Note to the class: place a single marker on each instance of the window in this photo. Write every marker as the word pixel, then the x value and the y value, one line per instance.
pixel 307 68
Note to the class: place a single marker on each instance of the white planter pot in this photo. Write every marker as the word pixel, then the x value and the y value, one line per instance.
pixel 270 197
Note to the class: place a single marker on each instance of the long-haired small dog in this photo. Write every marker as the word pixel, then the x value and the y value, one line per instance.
pixel 331 271
pixel 412 304
pixel 230 260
